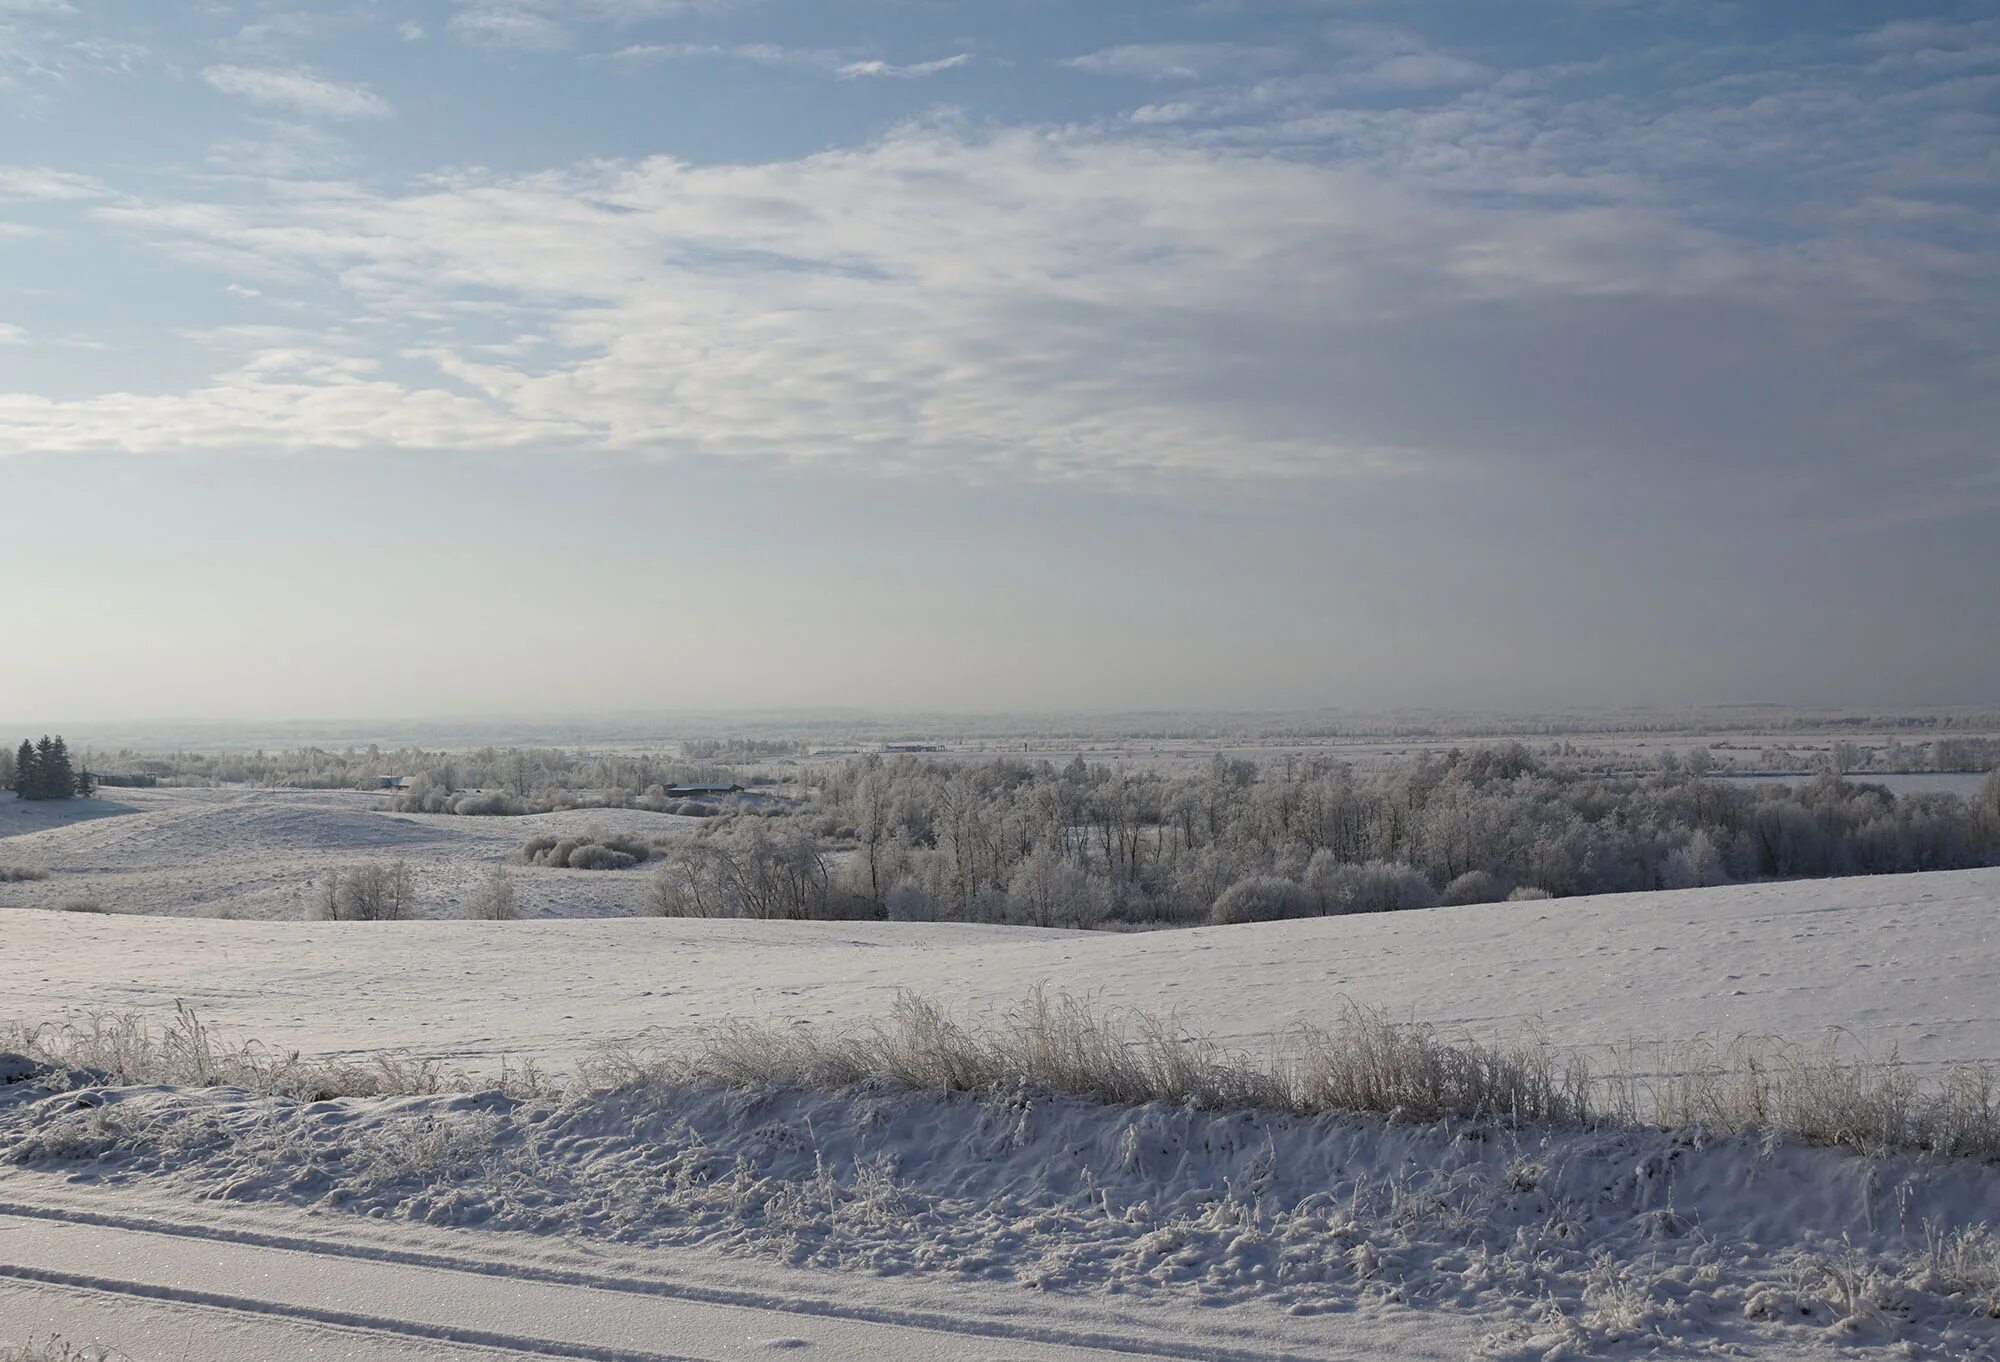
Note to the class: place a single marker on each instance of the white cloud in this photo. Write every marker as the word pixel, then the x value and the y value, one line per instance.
pixel 12 335
pixel 1028 304
pixel 544 25
pixel 1180 61
pixel 842 64
pixel 299 91
pixel 912 71
pixel 42 182
pixel 520 30
pixel 757 54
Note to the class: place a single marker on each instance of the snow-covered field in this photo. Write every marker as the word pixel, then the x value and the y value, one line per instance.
pixel 254 853
pixel 649 1224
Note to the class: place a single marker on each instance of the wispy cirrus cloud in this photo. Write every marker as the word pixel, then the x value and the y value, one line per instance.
pixel 45 182
pixel 846 65
pixel 509 28
pixel 298 92
pixel 1181 61
pixel 904 71
pixel 545 25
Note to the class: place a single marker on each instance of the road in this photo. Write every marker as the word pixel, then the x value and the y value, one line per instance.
pixel 209 1290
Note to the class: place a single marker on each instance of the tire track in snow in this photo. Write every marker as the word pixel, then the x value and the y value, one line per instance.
pixel 337 1319
pixel 778 1308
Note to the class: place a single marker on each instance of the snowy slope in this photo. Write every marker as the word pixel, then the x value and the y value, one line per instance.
pixel 1905 962
pixel 698 1225
pixel 256 853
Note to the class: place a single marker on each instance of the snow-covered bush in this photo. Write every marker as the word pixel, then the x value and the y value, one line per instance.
pixel 596 856
pixel 20 874
pixel 907 902
pixel 495 900
pixel 381 892
pixel 1367 887
pixel 1528 893
pixel 1263 898
pixel 592 851
pixel 1474 886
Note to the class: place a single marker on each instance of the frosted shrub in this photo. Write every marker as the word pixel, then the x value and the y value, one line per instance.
pixel 495 900
pixel 382 892
pixel 693 882
pixel 1697 864
pixel 1528 893
pixel 906 901
pixel 486 804
pixel 20 874
pixel 1263 898
pixel 1474 886
pixel 596 851
pixel 1051 891
pixel 1368 887
pixel 594 856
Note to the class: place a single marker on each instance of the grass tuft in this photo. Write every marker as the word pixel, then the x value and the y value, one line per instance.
pixel 1364 1064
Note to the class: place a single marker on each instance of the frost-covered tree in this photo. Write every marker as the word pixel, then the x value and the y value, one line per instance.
pixel 495 900
pixel 382 892
pixel 1264 898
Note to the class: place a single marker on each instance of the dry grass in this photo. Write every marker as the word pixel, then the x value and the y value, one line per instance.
pixel 126 1049
pixel 1820 1094
pixel 1058 1044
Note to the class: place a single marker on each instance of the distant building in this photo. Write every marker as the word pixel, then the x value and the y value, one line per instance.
pixel 701 791
pixel 912 747
pixel 390 782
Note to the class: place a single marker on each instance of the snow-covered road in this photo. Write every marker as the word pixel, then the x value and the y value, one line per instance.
pixel 251 1287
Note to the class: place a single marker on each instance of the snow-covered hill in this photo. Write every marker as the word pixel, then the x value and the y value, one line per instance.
pixel 649 1225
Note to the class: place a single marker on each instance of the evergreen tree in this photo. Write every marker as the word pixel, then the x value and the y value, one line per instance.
pixel 58 775
pixel 86 784
pixel 42 770
pixel 45 757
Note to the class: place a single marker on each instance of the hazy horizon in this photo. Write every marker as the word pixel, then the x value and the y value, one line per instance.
pixel 507 357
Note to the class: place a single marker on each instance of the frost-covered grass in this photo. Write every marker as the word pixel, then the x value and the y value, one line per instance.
pixel 1560 1241
pixel 1819 1094
pixel 1056 1044
pixel 124 1049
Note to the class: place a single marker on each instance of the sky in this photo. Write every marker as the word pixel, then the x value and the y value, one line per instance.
pixel 512 356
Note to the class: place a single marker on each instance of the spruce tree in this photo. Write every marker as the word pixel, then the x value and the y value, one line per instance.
pixel 59 774
pixel 45 758
pixel 24 771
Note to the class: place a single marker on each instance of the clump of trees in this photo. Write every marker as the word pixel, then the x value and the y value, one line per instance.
pixel 592 851
pixel 43 770
pixel 756 872
pixel 1094 846
pixel 384 891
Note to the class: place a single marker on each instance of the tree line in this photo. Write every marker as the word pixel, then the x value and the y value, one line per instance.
pixel 43 770
pixel 1093 846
